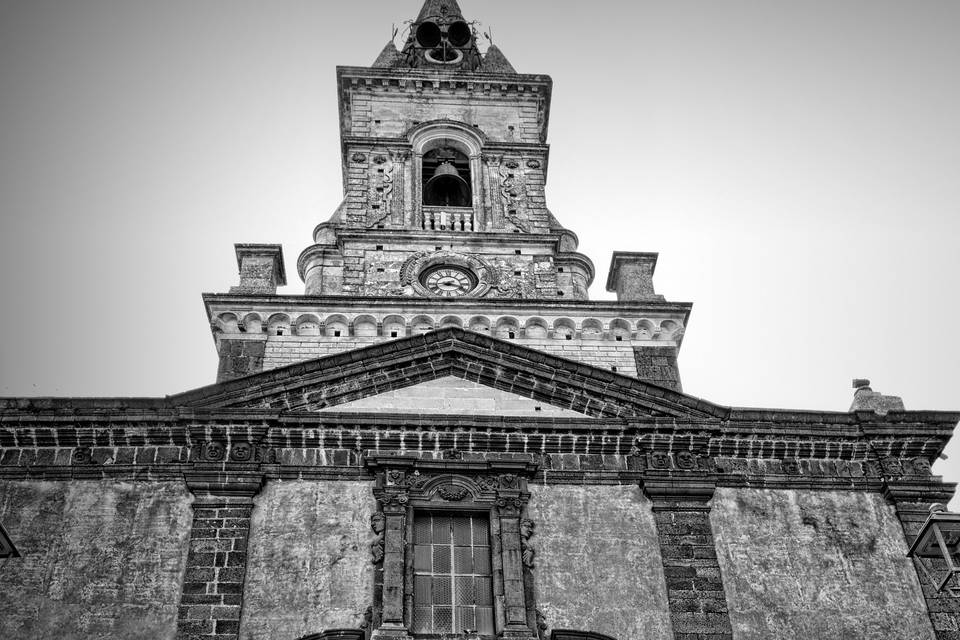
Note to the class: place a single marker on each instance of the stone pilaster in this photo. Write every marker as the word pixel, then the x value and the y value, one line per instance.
pixel 212 597
pixel 511 566
pixel 912 501
pixel 698 603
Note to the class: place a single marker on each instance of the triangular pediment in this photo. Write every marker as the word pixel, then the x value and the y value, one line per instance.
pixel 451 395
pixel 346 380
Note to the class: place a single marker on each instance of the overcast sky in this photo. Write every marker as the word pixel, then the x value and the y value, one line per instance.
pixel 796 164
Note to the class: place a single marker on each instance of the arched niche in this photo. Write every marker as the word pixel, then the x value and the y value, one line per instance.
pixel 278 325
pixel 447 174
pixel 365 326
pixel 394 327
pixel 308 325
pixel 536 328
pixel 336 326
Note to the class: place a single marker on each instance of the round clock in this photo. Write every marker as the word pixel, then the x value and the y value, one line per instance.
pixel 448 281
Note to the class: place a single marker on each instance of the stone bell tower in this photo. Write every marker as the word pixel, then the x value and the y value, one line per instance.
pixel 444 222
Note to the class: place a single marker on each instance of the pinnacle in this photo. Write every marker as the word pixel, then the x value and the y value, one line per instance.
pixel 388 57
pixel 495 62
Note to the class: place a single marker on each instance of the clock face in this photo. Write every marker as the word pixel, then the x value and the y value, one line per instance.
pixel 448 282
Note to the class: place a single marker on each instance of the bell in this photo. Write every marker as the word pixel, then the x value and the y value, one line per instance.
pixel 445 169
pixel 447 188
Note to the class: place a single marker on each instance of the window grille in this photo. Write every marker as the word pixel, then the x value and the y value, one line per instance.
pixel 453 591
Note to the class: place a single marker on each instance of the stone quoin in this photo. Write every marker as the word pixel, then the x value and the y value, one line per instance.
pixel 443 437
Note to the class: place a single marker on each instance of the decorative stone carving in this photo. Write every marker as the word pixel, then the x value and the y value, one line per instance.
pixel 533 164
pixel 486 276
pixel 542 625
pixel 791 466
pixel 685 460
pixel 214 451
pixel 513 193
pixel 378 522
pixel 241 452
pixel 82 455
pixel 452 493
pixel 659 460
pixel 921 467
pixel 527 551
pixel 358 157
pixel 265 455
pixel 891 466
pixel 380 189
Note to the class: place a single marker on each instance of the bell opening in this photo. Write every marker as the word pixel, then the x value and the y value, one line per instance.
pixel 446 179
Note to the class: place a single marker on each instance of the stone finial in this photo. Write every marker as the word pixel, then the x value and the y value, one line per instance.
pixel 866 399
pixel 261 268
pixel 631 276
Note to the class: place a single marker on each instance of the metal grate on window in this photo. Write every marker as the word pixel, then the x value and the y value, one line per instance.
pixel 452 587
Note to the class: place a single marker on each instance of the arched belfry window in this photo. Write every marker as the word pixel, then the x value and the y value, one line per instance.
pixel 447 179
pixel 448 182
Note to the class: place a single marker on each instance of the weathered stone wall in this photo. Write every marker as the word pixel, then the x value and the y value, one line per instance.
pixel 390 116
pixel 101 559
pixel 816 564
pixel 240 358
pixel 451 395
pixel 309 565
pixel 286 350
pixel 598 562
pixel 659 366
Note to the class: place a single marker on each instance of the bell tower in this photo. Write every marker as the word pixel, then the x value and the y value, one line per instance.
pixel 444 222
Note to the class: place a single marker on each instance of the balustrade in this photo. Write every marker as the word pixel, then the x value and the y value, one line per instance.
pixel 448 218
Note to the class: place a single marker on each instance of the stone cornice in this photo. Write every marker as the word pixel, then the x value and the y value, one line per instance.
pixel 531 306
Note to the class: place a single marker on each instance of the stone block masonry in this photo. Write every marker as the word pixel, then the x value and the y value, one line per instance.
pixel 281 351
pixel 695 591
pixel 216 567
pixel 212 597
pixel 240 358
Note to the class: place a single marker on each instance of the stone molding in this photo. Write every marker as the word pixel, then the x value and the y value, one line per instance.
pixel 497 486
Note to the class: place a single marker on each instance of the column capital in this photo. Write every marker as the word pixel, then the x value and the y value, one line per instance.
pixel 214 486
pixel 679 494
pixel 918 491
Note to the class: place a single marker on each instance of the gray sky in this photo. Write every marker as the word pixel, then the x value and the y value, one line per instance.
pixel 796 164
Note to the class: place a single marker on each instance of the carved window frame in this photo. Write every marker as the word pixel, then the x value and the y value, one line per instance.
pixel 406 485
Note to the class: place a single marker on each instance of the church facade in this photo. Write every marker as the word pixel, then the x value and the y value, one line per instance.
pixel 443 437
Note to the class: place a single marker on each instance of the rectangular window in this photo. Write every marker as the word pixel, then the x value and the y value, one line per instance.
pixel 452 588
